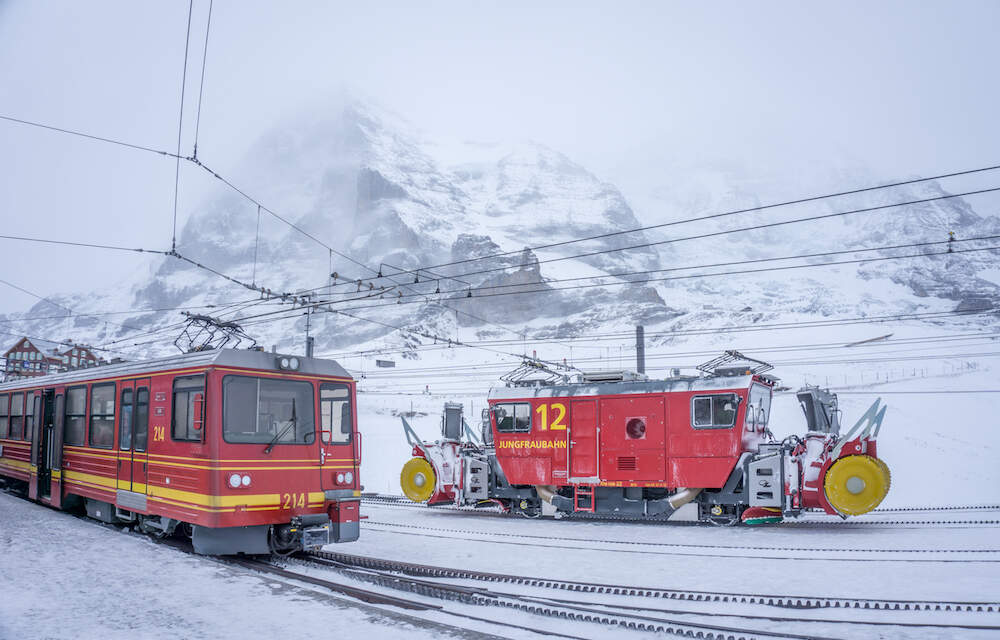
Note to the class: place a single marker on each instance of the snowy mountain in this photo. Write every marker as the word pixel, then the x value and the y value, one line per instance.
pixel 361 181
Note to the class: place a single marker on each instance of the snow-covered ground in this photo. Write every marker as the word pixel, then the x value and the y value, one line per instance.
pixel 63 577
pixel 71 577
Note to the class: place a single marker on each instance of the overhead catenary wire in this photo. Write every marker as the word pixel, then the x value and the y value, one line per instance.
pixel 201 85
pixel 823 254
pixel 888 185
pixel 408 299
pixel 712 216
pixel 71 311
pixel 180 125
pixel 715 234
pixel 231 185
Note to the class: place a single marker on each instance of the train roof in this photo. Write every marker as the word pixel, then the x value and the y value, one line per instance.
pixel 669 385
pixel 217 357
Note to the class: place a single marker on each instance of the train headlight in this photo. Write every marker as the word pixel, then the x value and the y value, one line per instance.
pixel 287 363
pixel 246 481
pixel 348 477
pixel 235 480
pixel 293 363
pixel 340 478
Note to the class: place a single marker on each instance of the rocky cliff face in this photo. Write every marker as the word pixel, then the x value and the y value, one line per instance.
pixel 370 190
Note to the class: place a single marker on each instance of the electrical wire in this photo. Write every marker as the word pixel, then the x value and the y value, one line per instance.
pixel 717 215
pixel 89 136
pixel 201 86
pixel 715 234
pixel 180 125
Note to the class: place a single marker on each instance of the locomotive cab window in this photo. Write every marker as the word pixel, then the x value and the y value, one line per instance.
pixel 513 418
pixel 268 411
pixel 715 411
pixel 76 416
pixel 335 413
pixel 758 407
pixel 189 409
pixel 102 416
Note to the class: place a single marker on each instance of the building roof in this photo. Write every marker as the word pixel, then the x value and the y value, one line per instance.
pixel 217 357
pixel 17 345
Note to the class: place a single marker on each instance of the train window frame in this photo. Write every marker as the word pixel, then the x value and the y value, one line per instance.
pixel 188 386
pixel 140 408
pixel 514 417
pixel 326 435
pixel 19 433
pixel 4 415
pixel 752 418
pixel 106 418
pixel 713 398
pixel 126 409
pixel 82 417
pixel 306 441
pixel 29 416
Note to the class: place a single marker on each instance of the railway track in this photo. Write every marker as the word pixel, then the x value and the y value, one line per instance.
pixel 991 555
pixel 402 502
pixel 628 611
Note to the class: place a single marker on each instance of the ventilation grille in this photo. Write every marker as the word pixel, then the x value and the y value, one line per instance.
pixel 626 463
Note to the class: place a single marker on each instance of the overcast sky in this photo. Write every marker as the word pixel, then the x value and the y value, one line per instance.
pixel 623 88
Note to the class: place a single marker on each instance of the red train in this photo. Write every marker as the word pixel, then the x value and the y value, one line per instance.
pixel 621 444
pixel 245 451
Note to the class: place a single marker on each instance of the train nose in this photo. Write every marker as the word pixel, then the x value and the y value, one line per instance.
pixel 417 479
pixel 857 484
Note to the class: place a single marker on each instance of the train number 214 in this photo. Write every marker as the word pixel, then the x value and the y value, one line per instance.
pixel 559 416
pixel 293 500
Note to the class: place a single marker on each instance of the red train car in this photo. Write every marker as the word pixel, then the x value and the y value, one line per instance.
pixel 245 451
pixel 622 444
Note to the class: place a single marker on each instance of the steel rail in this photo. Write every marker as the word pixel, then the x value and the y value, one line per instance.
pixel 723 597
pixel 403 502
pixel 580 612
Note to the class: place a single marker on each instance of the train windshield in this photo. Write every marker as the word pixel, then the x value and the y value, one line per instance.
pixel 265 411
pixel 759 407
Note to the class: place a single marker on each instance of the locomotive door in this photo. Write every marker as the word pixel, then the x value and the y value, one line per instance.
pixel 133 426
pixel 33 408
pixel 42 457
pixel 583 438
pixel 336 448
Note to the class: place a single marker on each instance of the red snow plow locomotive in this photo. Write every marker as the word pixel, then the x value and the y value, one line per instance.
pixel 616 443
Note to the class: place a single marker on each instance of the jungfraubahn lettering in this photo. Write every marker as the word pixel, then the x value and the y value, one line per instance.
pixel 531 444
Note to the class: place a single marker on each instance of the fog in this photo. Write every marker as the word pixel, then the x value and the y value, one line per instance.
pixel 629 90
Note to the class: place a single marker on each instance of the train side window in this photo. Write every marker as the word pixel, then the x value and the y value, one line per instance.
pixel 182 419
pixel 716 411
pixel 29 417
pixel 102 416
pixel 125 425
pixel 4 416
pixel 513 417
pixel 16 416
pixel 141 418
pixel 335 413
pixel 76 416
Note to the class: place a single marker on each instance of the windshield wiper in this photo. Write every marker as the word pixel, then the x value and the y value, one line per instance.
pixel 277 436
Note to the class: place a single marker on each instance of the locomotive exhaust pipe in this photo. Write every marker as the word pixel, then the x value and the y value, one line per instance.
pixel 548 494
pixel 682 497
